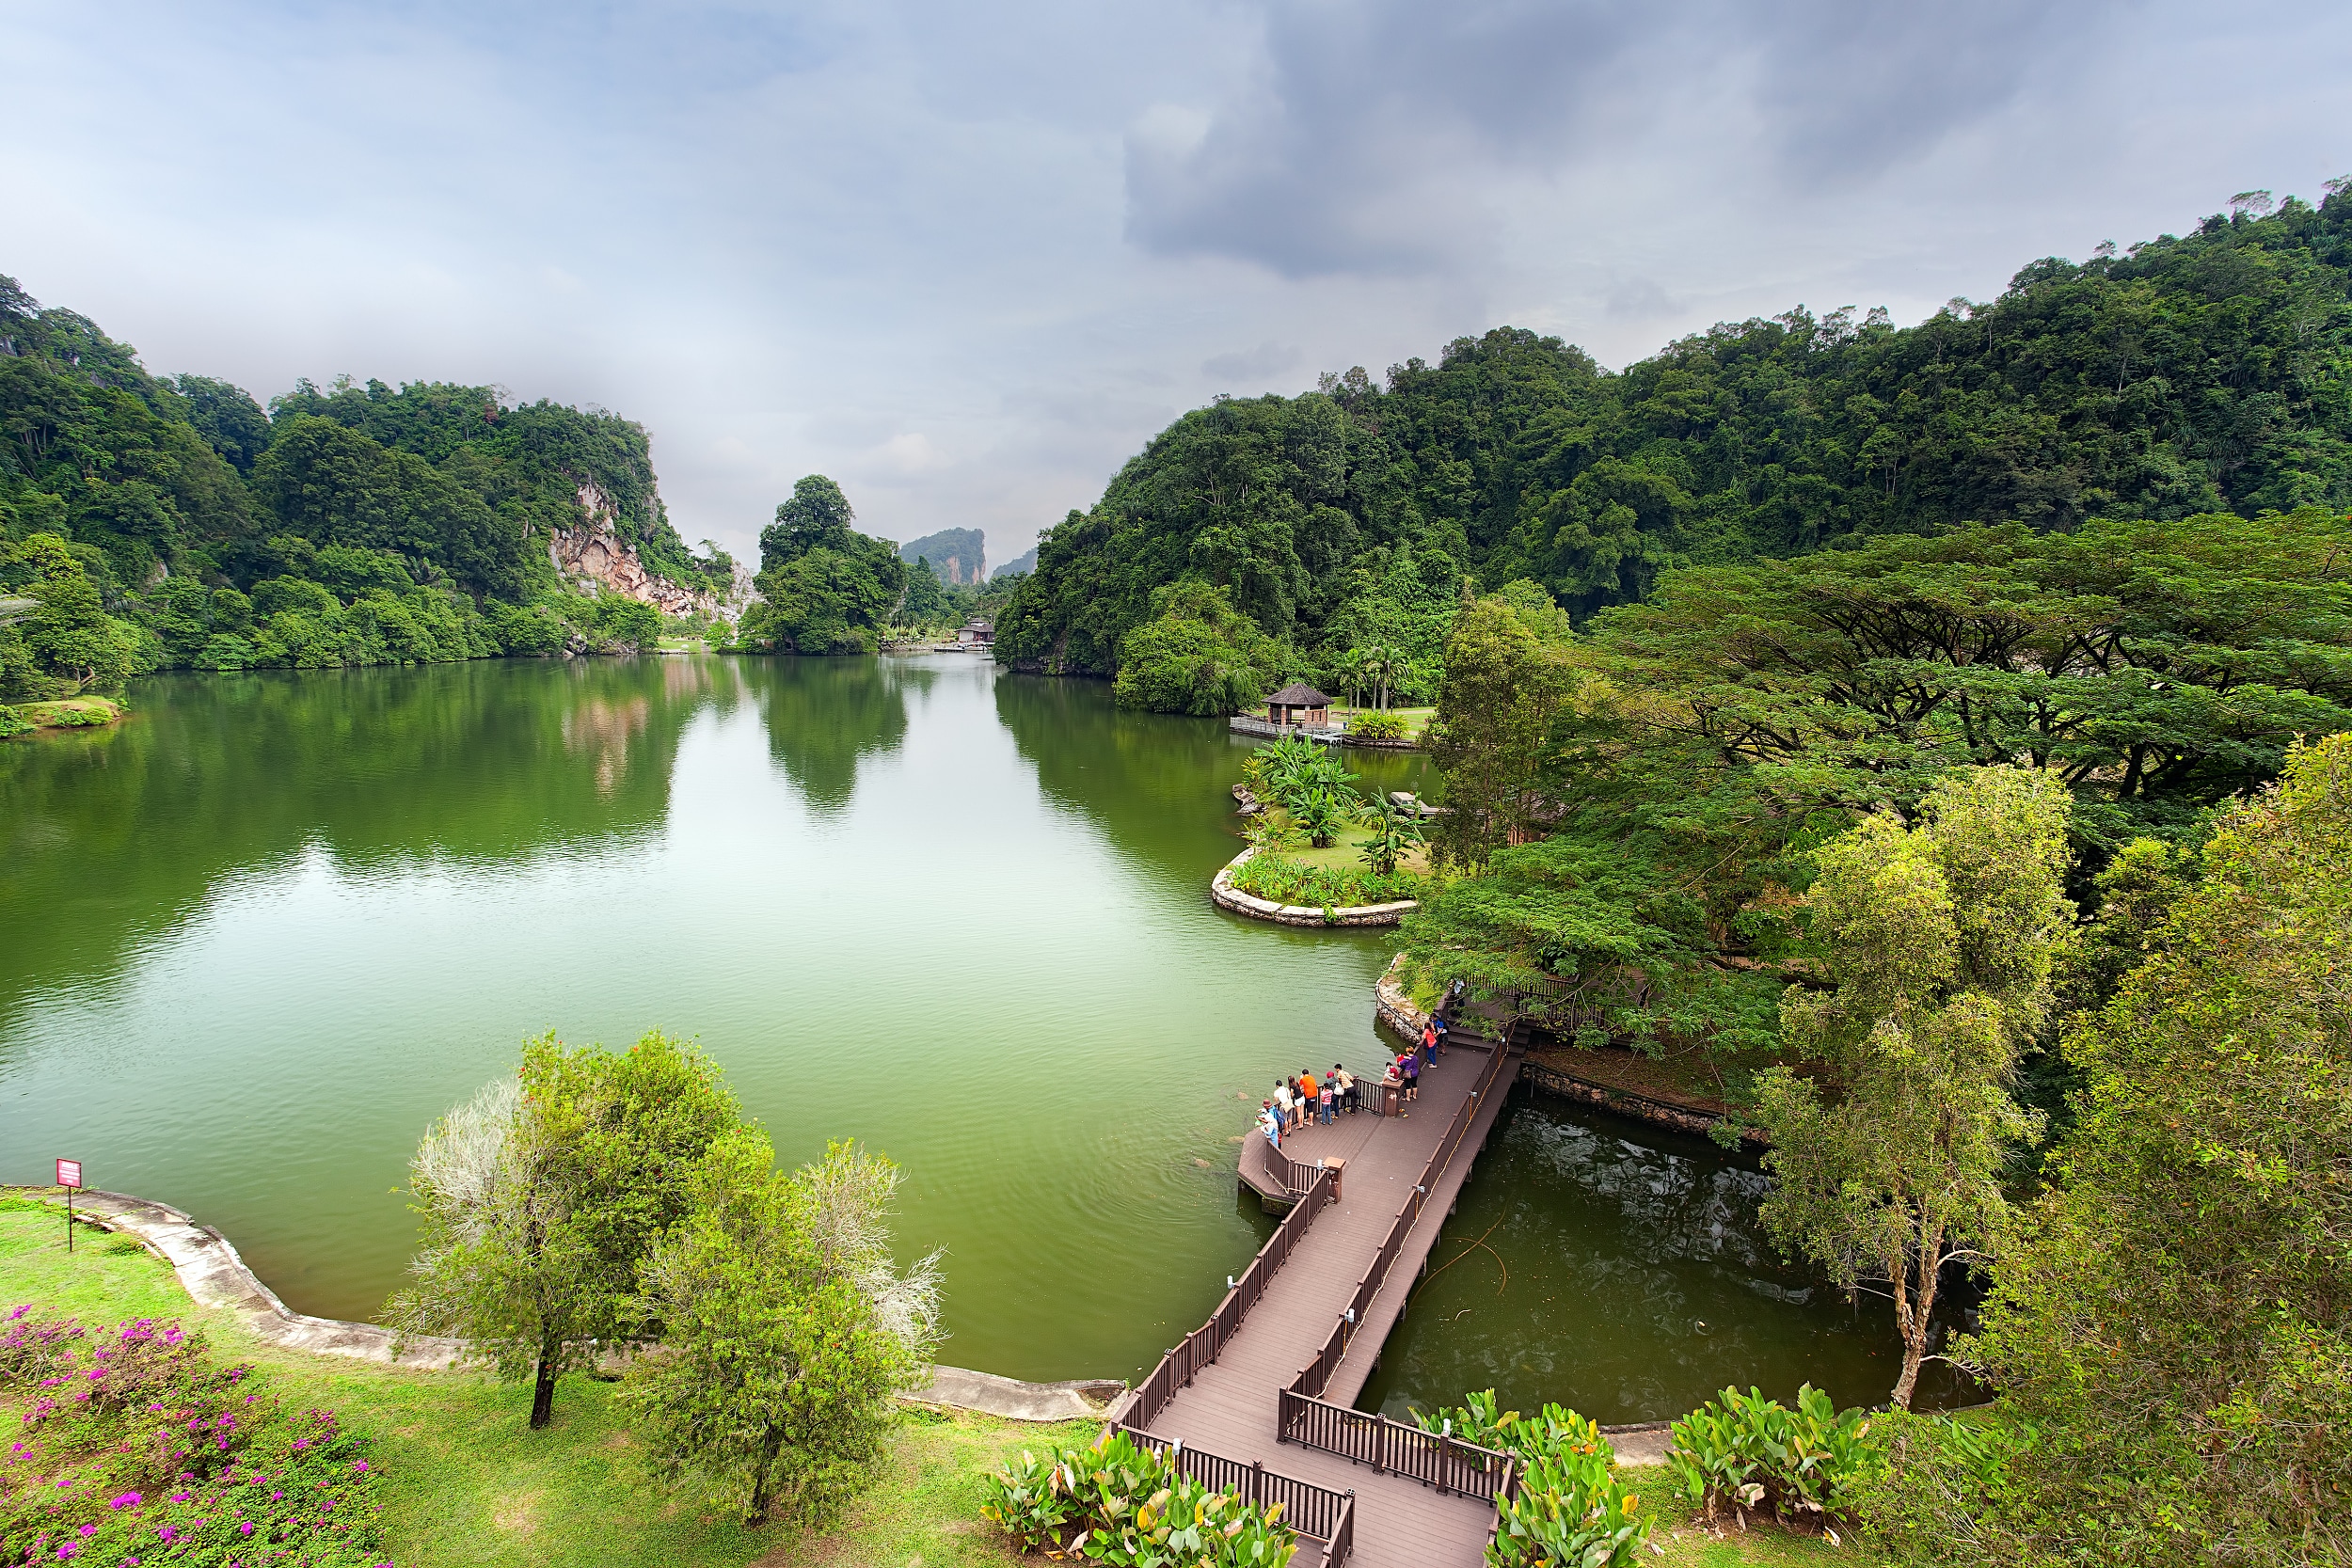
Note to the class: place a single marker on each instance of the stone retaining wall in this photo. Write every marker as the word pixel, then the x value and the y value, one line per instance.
pixel 1391 1006
pixel 1227 896
pixel 1627 1102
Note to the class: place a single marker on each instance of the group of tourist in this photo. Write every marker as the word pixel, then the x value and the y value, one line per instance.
pixel 1319 1098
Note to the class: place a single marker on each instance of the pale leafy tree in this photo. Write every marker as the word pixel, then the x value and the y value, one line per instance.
pixel 789 1329
pixel 1507 678
pixel 541 1195
pixel 1938 939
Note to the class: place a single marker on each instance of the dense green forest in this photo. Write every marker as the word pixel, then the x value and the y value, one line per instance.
pixel 175 523
pixel 2197 373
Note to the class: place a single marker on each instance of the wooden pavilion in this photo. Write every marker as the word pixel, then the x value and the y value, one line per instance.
pixel 1299 706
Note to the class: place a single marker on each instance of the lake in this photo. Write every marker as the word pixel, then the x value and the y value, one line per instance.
pixel 259 936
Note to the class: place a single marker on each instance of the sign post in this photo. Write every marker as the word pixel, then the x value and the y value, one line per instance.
pixel 69 1177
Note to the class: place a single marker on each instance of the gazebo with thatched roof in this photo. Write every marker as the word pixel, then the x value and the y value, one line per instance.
pixel 1299 704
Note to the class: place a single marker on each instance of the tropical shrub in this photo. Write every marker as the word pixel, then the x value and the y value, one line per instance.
pixel 1130 1507
pixel 1570 1511
pixel 1751 1453
pixel 1272 875
pixel 1376 726
pixel 1480 1421
pixel 1956 1491
pixel 138 1444
pixel 1034 1503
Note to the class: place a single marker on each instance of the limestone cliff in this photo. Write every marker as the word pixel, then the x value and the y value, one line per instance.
pixel 596 552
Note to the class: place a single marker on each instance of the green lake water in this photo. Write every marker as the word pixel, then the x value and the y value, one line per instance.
pixel 256 937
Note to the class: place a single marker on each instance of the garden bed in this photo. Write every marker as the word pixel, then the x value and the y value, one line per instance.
pixel 1281 912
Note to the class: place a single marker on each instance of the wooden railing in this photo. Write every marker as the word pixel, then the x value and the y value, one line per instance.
pixel 1392 1448
pixel 1303 1416
pixel 1178 1367
pixel 1317 1511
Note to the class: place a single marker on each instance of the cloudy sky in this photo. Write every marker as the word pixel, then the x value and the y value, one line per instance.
pixel 966 259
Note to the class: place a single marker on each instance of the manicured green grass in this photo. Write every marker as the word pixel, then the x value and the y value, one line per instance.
pixel 468 1483
pixel 1346 853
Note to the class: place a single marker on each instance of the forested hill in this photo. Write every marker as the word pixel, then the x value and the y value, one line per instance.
pixel 353 525
pixel 2195 374
pixel 958 555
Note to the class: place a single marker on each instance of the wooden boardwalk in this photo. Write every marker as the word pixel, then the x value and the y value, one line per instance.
pixel 1234 1405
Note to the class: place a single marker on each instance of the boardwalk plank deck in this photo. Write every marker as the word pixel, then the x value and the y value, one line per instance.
pixel 1230 1408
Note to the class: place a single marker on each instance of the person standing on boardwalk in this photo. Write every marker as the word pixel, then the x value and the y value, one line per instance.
pixel 1284 1102
pixel 1309 1091
pixel 1270 1123
pixel 1438 1022
pixel 1429 1043
pixel 1412 1075
pixel 1325 1095
pixel 1392 1078
pixel 1346 1081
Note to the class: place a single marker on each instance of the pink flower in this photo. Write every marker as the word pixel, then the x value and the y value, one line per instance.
pixel 128 1499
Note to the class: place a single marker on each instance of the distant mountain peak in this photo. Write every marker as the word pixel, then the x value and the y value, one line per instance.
pixel 958 555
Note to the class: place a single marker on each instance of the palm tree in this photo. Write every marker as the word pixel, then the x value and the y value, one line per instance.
pixel 1395 831
pixel 1385 666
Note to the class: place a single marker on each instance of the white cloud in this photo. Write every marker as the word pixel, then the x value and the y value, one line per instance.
pixel 966 260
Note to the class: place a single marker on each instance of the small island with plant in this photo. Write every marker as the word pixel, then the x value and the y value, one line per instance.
pixel 1320 847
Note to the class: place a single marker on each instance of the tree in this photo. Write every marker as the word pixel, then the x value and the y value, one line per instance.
pixel 2174 1323
pixel 1505 685
pixel 1197 655
pixel 925 603
pixel 1939 941
pixel 541 1195
pixel 68 637
pixel 787 1329
pixel 824 589
pixel 818 516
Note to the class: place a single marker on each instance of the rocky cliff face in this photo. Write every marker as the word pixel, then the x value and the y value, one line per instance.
pixel 596 551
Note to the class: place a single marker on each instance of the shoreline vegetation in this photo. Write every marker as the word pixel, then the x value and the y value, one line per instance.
pixel 90 710
pixel 462 1483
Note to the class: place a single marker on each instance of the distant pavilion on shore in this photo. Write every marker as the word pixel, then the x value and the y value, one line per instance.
pixel 1299 706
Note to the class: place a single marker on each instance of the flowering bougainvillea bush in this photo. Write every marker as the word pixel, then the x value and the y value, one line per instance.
pixel 133 1446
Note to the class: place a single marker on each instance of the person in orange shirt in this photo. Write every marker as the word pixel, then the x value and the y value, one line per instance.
pixel 1307 1087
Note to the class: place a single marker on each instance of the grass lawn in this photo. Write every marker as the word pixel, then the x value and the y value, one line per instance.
pixel 468 1483
pixel 1684 1542
pixel 1347 853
